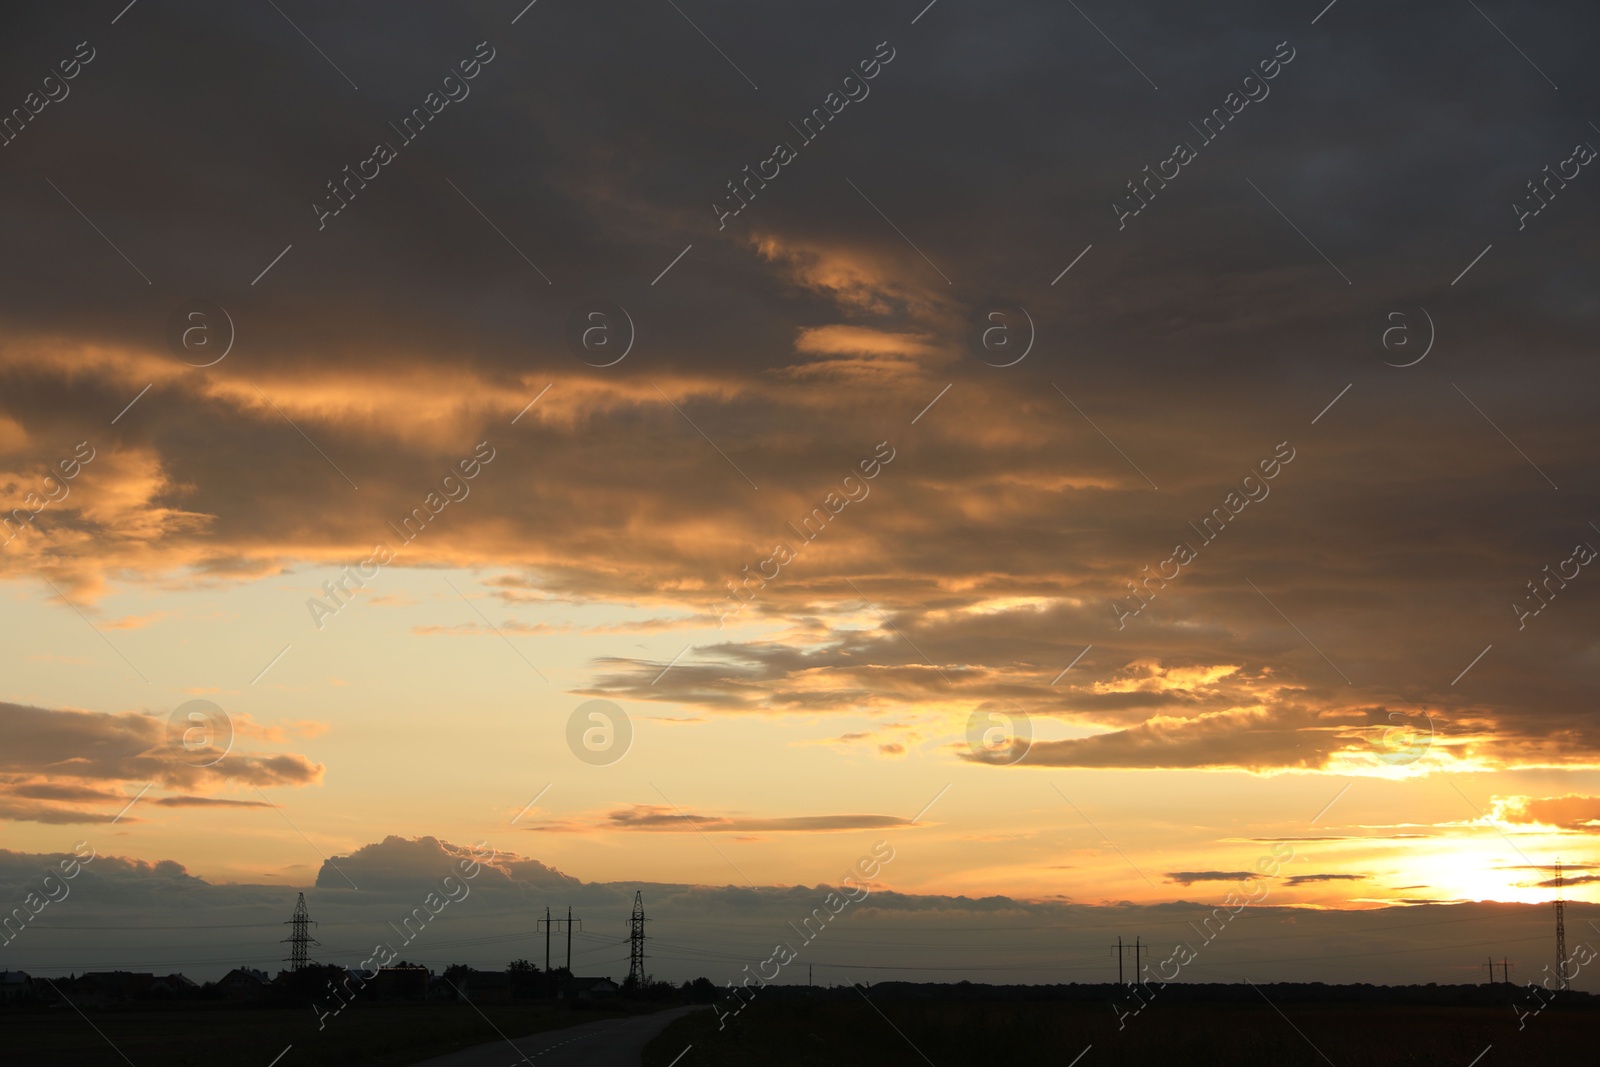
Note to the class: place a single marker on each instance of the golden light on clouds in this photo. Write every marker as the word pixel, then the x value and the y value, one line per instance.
pixel 814 548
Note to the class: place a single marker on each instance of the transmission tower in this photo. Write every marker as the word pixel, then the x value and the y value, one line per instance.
pixel 299 938
pixel 1561 931
pixel 636 975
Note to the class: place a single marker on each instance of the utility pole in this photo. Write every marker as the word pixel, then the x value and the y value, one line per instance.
pixel 1491 970
pixel 1505 971
pixel 549 979
pixel 1561 930
pixel 549 924
pixel 299 938
pixel 1121 949
pixel 636 975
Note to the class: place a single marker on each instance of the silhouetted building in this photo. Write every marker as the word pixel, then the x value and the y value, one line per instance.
pixel 245 983
pixel 14 986
pixel 96 988
pixel 587 988
pixel 172 987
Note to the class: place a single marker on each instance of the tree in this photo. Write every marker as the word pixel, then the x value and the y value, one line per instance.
pixel 525 979
pixel 456 974
pixel 700 991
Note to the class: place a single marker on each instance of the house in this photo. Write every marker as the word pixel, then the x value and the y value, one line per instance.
pixel 245 983
pixel 14 986
pixel 172 987
pixel 587 988
pixel 98 988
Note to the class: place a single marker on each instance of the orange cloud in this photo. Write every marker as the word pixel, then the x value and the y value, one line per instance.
pixel 134 622
pixel 1570 812
pixel 58 765
pixel 839 339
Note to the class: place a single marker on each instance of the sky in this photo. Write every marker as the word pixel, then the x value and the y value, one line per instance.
pixel 1083 455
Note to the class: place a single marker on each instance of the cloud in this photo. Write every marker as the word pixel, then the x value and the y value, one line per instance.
pixel 1582 879
pixel 401 862
pixel 1427 900
pixel 393 600
pixel 208 802
pixel 839 339
pixel 1250 739
pixel 135 622
pixel 658 819
pixel 1311 879
pixel 474 629
pixel 59 764
pixel 809 329
pixel 1191 877
pixel 858 353
pixel 1570 812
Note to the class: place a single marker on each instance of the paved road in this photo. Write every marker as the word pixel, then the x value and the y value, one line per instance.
pixel 603 1043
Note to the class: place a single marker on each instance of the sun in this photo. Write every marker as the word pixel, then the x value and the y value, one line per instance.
pixel 1483 870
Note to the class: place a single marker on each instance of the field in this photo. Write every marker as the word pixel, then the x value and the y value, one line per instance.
pixel 380 1035
pixel 888 1032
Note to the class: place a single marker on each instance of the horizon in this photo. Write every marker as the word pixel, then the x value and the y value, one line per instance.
pixel 361 897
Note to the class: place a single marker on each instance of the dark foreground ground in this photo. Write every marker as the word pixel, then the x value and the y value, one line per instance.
pixel 895 1028
pixel 602 1043
pixel 382 1035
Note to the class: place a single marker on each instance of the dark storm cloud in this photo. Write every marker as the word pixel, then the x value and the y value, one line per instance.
pixel 1197 338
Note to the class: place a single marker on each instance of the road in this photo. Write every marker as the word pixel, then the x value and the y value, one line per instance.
pixel 603 1043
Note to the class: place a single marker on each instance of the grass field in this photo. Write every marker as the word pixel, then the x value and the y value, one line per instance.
pixel 802 1032
pixel 379 1035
